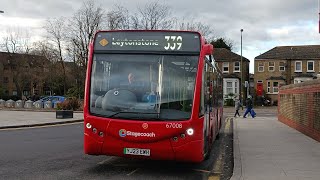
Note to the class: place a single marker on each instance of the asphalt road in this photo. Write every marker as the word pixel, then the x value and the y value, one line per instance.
pixel 57 153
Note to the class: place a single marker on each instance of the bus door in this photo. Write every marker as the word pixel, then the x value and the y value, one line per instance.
pixel 207 107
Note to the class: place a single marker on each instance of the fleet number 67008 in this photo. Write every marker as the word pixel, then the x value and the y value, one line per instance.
pixel 174 125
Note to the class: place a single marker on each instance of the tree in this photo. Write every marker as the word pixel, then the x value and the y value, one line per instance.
pixel 52 78
pixel 118 18
pixel 192 25
pixel 151 16
pixel 82 27
pixel 85 22
pixel 222 43
pixel 56 29
pixel 17 42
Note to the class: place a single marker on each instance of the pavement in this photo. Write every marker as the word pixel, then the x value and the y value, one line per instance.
pixel 264 148
pixel 21 118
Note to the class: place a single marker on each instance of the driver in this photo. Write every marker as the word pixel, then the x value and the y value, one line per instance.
pixel 135 86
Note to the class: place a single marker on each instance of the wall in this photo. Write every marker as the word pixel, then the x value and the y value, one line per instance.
pixel 299 107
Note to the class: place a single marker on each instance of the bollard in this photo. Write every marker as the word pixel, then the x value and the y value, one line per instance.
pixel 48 105
pixel 10 103
pixel 28 104
pixel 38 104
pixel 2 103
pixel 19 104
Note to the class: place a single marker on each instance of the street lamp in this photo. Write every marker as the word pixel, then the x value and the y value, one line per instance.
pixel 241 84
pixel 1 11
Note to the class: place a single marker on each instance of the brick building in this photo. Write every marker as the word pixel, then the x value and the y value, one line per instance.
pixel 229 63
pixel 285 65
pixel 21 74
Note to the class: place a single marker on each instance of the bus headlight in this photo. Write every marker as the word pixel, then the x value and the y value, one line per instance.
pixel 190 131
pixel 88 125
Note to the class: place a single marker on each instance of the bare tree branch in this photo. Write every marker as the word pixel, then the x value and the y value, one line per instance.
pixel 118 18
pixel 85 22
pixel 192 25
pixel 153 15
pixel 55 29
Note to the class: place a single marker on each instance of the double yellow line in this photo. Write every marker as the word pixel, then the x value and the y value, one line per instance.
pixel 217 168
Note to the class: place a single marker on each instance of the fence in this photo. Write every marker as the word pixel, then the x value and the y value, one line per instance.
pixel 299 107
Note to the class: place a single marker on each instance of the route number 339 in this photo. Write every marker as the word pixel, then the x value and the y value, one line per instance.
pixel 173 42
pixel 174 125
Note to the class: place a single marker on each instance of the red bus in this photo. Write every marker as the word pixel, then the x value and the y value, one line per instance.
pixel 153 95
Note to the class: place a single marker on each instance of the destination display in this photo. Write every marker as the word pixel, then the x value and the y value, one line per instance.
pixel 147 41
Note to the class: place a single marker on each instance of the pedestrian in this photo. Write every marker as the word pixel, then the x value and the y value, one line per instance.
pixel 237 107
pixel 249 106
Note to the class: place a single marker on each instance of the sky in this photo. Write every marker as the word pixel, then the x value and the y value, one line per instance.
pixel 265 23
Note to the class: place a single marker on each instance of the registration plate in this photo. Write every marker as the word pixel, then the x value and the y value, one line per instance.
pixel 136 151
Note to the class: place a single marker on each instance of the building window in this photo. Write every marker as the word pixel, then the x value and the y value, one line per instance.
pixel 14 93
pixel 268 87
pixel 237 66
pixel 298 66
pixel 260 67
pixel 275 87
pixel 229 88
pixel 5 80
pixel 271 66
pixel 225 67
pixel 281 66
pixel 310 66
pixel 26 92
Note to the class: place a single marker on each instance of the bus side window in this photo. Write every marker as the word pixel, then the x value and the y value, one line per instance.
pixel 202 96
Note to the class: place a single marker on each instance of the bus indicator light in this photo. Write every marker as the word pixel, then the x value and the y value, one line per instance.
pixel 182 135
pixel 101 134
pixel 190 131
pixel 94 130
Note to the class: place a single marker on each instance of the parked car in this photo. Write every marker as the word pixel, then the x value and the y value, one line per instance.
pixel 53 99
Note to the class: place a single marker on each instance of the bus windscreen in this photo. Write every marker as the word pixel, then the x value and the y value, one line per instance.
pixel 134 41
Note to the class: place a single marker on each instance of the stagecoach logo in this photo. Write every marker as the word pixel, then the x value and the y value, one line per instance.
pixel 104 42
pixel 145 126
pixel 124 133
pixel 134 42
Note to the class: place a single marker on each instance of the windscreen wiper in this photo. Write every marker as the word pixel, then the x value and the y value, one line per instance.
pixel 132 112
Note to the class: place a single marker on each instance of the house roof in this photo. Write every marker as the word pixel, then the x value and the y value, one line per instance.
pixel 223 54
pixel 292 52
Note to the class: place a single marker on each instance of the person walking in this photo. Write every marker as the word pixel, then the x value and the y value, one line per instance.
pixel 237 107
pixel 249 106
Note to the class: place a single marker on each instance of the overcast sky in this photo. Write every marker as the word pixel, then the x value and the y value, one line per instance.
pixel 266 23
